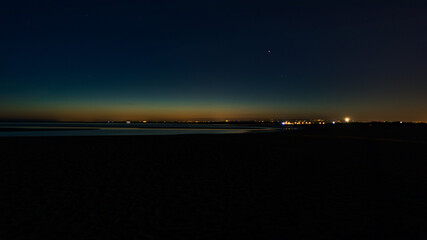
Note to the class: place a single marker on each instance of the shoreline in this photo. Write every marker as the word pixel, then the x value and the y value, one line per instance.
pixel 90 131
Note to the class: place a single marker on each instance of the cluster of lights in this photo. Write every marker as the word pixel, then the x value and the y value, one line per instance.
pixel 293 122
pixel 300 123
pixel 319 122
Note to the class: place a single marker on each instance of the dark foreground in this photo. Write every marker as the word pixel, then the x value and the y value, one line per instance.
pixel 314 184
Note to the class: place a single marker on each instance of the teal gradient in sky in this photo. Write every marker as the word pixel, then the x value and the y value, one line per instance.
pixel 191 60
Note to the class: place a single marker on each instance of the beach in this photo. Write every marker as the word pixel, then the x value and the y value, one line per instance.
pixel 362 182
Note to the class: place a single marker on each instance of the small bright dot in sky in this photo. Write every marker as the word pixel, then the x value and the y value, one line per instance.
pixel 229 79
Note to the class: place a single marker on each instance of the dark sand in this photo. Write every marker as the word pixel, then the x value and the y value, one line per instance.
pixel 355 182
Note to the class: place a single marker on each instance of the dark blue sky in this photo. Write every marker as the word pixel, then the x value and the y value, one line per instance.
pixel 154 60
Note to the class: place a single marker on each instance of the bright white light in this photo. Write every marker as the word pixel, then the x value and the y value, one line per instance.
pixel 333 122
pixel 347 119
pixel 400 121
pixel 283 123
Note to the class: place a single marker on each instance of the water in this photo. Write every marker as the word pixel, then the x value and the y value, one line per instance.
pixel 14 129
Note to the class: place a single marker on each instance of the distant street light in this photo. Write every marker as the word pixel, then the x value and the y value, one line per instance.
pixel 347 119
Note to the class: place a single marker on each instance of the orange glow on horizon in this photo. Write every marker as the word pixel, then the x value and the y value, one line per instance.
pixel 96 113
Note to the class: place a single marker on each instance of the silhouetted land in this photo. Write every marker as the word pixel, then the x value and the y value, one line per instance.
pixel 337 182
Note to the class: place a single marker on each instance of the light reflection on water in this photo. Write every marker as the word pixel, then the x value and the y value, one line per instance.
pixel 119 129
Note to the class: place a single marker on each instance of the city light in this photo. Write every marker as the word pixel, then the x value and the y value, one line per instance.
pixel 347 119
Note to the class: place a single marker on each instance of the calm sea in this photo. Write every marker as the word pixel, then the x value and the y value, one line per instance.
pixel 9 129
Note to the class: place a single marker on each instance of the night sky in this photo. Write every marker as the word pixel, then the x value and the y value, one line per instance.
pixel 213 60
